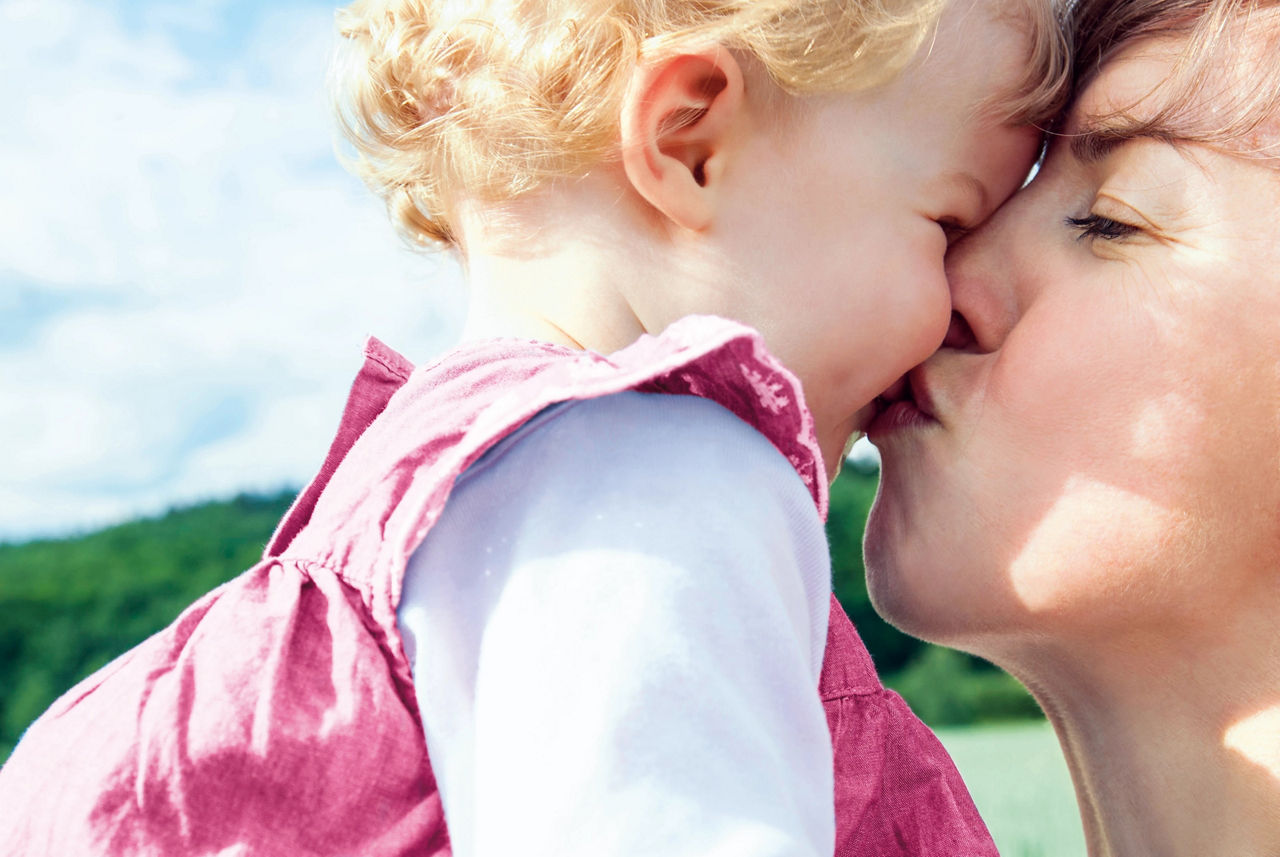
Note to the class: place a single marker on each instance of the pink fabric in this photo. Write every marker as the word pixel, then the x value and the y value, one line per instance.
pixel 897 791
pixel 276 715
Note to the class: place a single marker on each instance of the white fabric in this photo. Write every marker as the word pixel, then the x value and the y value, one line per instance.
pixel 617 628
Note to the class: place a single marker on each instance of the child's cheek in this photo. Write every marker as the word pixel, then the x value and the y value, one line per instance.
pixel 910 324
pixel 925 313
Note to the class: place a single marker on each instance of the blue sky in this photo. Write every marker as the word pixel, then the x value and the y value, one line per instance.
pixel 186 274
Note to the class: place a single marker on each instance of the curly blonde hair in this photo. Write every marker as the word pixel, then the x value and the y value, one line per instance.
pixel 493 98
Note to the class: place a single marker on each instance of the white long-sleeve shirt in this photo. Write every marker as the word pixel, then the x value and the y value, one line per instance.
pixel 616 630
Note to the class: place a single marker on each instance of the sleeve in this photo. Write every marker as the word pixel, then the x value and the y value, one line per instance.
pixel 617 629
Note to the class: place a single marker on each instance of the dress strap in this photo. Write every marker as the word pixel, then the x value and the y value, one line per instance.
pixel 383 373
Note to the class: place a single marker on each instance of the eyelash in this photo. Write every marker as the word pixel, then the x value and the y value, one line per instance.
pixel 1097 226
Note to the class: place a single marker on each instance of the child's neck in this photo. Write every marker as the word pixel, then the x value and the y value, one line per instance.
pixel 568 298
pixel 588 273
pixel 589 264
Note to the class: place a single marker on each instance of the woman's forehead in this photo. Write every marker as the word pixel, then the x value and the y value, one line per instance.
pixel 1226 95
pixel 1131 80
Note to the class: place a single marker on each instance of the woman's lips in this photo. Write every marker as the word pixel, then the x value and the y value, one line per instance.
pixel 896 416
pixel 904 405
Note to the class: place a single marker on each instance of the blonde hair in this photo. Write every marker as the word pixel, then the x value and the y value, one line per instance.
pixel 493 98
pixel 1204 99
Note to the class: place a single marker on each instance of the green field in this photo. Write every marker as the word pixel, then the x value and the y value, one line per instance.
pixel 1020 783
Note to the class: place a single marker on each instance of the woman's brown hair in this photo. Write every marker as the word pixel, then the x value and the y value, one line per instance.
pixel 1225 87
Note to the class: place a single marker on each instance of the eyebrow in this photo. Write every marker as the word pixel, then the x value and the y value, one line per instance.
pixel 1091 143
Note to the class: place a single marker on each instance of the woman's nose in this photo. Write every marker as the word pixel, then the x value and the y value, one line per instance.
pixel 959 334
pixel 981 273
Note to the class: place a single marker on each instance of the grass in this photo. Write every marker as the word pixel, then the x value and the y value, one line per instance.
pixel 1020 783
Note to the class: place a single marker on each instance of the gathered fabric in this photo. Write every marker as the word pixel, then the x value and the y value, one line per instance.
pixel 277 714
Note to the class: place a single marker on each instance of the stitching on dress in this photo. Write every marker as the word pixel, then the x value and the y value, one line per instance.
pixel 377 358
pixel 845 692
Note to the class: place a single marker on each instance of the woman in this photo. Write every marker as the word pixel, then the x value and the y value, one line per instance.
pixel 1083 483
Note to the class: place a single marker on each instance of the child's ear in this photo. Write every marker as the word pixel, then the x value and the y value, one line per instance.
pixel 677 118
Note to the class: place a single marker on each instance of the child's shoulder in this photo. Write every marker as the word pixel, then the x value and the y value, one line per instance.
pixel 405 439
pixel 497 385
pixel 643 447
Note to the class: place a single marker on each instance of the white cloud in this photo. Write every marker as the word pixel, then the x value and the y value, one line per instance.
pixel 192 273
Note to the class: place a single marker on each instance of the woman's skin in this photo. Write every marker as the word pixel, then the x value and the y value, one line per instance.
pixel 1086 487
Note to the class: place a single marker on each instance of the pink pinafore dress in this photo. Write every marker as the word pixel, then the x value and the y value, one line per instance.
pixel 277 716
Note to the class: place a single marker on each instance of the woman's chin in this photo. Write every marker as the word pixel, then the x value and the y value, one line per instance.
pixel 926 586
pixel 899 572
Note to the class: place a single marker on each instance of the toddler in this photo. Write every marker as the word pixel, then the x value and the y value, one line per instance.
pixel 566 590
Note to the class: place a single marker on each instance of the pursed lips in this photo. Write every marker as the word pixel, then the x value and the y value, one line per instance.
pixel 906 403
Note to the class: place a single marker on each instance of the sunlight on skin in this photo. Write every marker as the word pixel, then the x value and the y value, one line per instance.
pixel 1112 514
pixel 1085 504
pixel 1154 433
pixel 1257 739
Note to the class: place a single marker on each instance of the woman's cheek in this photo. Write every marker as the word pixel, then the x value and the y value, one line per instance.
pixel 1106 423
pixel 1094 547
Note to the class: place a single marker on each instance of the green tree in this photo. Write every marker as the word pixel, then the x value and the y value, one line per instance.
pixel 69 606
pixel 851 497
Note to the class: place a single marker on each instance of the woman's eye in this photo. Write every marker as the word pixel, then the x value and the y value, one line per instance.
pixel 1097 226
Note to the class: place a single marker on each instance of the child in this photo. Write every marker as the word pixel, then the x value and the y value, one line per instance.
pixel 537 603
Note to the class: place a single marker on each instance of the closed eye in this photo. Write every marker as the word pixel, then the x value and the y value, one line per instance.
pixel 1097 226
